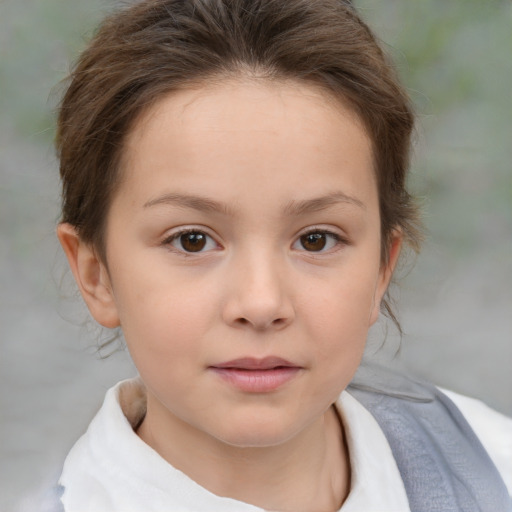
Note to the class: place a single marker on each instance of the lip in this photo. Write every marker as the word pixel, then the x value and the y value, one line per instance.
pixel 254 363
pixel 253 375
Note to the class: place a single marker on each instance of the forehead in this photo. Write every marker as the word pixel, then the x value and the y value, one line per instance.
pixel 281 130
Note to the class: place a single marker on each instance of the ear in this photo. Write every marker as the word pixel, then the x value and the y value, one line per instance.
pixel 386 273
pixel 91 275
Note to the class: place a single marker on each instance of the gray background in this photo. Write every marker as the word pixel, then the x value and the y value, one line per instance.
pixel 455 302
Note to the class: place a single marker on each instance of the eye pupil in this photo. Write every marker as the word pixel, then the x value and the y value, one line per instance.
pixel 193 242
pixel 313 241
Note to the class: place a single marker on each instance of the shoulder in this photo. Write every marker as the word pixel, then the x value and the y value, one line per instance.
pixel 474 442
pixel 493 429
pixel 93 468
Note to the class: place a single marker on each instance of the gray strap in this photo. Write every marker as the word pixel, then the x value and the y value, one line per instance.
pixel 443 465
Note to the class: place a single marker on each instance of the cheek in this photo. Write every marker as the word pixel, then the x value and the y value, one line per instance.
pixel 165 341
pixel 162 316
pixel 343 305
pixel 338 317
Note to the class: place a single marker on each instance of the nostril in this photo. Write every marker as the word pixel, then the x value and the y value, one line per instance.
pixel 276 323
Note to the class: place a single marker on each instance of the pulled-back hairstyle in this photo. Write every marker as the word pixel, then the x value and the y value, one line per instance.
pixel 143 52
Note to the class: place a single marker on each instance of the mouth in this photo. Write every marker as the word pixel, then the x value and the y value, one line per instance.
pixel 254 375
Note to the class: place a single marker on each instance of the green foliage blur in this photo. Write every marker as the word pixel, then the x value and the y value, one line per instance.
pixel 38 38
pixel 454 55
pixel 456 58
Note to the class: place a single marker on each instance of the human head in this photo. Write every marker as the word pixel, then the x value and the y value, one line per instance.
pixel 244 236
pixel 141 54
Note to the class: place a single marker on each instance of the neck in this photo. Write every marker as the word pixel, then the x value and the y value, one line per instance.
pixel 307 473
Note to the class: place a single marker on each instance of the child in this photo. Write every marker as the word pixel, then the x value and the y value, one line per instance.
pixel 234 199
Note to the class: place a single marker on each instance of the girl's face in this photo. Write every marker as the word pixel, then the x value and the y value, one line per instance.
pixel 243 251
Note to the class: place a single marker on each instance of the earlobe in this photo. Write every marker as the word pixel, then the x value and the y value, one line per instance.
pixel 386 273
pixel 90 275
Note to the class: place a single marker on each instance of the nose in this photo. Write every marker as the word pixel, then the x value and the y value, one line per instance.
pixel 259 295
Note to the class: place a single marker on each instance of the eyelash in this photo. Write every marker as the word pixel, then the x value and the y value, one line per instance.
pixel 168 242
pixel 335 237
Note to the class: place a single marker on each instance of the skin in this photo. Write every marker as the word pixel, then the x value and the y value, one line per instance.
pixel 264 163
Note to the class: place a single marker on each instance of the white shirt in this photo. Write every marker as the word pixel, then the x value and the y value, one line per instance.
pixel 110 469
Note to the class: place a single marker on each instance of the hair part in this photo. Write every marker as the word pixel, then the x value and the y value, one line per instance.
pixel 146 51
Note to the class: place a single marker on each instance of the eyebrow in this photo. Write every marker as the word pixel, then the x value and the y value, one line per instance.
pixel 190 201
pixel 321 203
pixel 292 208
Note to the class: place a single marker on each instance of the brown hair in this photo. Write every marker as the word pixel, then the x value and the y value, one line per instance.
pixel 156 46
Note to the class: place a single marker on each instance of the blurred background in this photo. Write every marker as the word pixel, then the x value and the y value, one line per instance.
pixel 455 302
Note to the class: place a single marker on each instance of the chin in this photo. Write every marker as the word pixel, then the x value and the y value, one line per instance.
pixel 258 432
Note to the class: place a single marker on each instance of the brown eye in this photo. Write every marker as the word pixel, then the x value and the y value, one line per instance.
pixel 193 241
pixel 314 241
pixel 319 241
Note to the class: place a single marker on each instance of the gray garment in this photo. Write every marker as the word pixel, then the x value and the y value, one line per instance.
pixel 443 465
